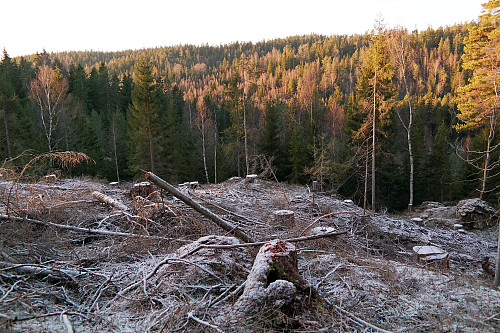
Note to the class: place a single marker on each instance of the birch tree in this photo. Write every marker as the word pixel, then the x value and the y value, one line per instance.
pixel 48 92
pixel 400 53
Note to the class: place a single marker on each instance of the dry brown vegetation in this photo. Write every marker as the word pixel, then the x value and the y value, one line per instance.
pixel 143 269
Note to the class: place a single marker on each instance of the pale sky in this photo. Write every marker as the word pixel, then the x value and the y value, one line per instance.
pixel 28 26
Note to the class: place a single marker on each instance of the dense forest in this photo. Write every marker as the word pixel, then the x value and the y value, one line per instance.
pixel 390 118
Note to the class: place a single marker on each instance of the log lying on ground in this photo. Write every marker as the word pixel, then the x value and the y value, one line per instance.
pixel 85 230
pixel 108 200
pixel 199 208
pixel 274 284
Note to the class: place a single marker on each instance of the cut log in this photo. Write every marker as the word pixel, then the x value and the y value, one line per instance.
pixel 284 217
pixel 199 208
pixel 108 200
pixel 274 284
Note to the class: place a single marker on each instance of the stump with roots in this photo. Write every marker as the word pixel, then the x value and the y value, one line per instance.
pixel 284 218
pixel 274 286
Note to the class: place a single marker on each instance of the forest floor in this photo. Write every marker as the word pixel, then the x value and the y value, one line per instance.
pixel 55 279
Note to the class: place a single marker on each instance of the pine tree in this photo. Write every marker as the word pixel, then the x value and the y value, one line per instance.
pixel 479 99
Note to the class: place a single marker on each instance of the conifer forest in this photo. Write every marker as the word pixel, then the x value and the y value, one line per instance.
pixel 389 119
pixel 342 183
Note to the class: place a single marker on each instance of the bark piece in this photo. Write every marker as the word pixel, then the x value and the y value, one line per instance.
pixel 199 208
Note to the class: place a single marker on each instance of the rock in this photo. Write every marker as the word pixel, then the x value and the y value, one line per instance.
pixel 475 213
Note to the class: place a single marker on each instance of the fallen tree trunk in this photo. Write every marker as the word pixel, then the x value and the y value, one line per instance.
pixel 108 200
pixel 86 230
pixel 199 208
pixel 40 270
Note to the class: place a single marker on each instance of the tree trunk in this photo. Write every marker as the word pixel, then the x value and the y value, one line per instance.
pixel 199 208
pixel 115 150
pixel 373 140
pixel 7 136
pixel 150 137
pixel 497 267
pixel 365 196
pixel 204 149
pixel 491 136
pixel 245 123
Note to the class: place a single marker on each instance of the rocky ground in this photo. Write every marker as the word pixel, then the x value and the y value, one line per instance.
pixel 76 262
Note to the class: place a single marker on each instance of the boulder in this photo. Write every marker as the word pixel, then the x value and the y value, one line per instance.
pixel 475 213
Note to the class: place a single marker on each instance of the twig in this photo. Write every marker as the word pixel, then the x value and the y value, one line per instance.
pixel 50 314
pixel 235 292
pixel 206 323
pixel 10 290
pixel 327 275
pixel 358 320
pixel 321 217
pixel 291 240
pixel 492 317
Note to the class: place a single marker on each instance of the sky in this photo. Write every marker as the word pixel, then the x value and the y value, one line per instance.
pixel 30 26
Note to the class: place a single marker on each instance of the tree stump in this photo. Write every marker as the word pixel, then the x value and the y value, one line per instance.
pixel 274 285
pixel 430 254
pixel 250 178
pixel 284 217
pixel 316 187
pixel 143 189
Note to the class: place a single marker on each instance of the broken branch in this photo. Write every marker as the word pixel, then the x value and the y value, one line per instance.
pixel 86 230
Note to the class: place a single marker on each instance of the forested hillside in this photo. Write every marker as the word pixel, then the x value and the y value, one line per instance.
pixel 358 114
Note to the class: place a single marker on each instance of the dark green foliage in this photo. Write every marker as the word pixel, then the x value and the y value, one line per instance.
pixel 307 103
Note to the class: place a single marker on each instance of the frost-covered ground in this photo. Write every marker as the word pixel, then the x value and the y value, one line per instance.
pixel 130 284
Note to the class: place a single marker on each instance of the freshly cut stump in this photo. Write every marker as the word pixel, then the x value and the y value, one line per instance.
pixel 274 287
pixel 432 254
pixel 284 218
